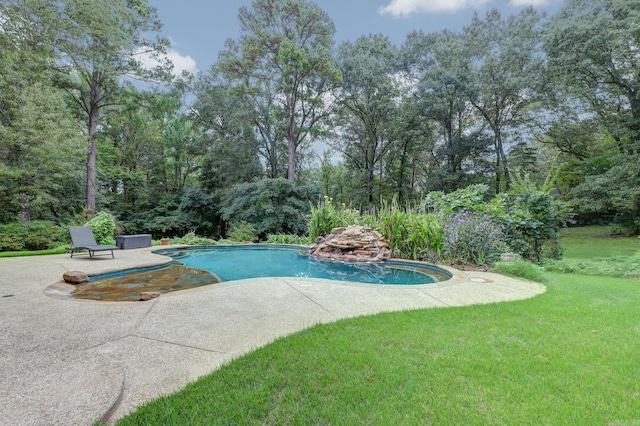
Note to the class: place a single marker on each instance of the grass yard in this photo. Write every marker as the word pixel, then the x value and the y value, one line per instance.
pixel 591 250
pixel 569 356
pixel 594 242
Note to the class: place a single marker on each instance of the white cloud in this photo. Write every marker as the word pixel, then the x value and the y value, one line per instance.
pixel 405 8
pixel 518 3
pixel 180 62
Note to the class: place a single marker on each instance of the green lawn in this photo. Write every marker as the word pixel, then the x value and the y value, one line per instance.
pixel 569 356
pixel 594 242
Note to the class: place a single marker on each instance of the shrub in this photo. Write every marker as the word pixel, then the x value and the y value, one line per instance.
pixel 33 235
pixel 471 237
pixel 323 219
pixel 288 239
pixel 532 221
pixel 12 237
pixel 327 216
pixel 103 226
pixel 522 269
pixel 468 199
pixel 425 239
pixel 410 234
pixel 241 232
pixel 393 225
pixel 192 239
pixel 272 206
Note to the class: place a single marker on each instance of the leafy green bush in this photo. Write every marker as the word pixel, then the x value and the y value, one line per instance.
pixel 323 219
pixel 522 269
pixel 392 223
pixel 103 226
pixel 192 239
pixel 531 216
pixel 471 237
pixel 327 216
pixel 425 239
pixel 532 219
pixel 12 236
pixel 468 199
pixel 288 239
pixel 42 235
pixel 272 206
pixel 33 235
pixel 625 224
pixel 241 232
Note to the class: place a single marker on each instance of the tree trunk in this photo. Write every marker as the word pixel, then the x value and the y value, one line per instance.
pixel 502 172
pixel 291 139
pixel 371 180
pixel 91 161
pixel 25 209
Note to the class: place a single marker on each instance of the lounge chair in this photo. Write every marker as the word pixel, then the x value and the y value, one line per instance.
pixel 83 239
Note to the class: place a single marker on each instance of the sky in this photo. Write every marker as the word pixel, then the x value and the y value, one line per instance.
pixel 198 29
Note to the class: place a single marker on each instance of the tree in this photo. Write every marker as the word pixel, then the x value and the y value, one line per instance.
pixel 592 48
pixel 38 133
pixel 103 44
pixel 368 97
pixel 507 72
pixel 130 160
pixel 284 53
pixel 441 68
pixel 239 128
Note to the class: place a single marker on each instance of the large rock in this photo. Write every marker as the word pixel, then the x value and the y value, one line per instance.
pixel 352 244
pixel 75 277
pixel 148 295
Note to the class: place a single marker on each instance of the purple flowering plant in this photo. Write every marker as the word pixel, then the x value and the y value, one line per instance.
pixel 473 237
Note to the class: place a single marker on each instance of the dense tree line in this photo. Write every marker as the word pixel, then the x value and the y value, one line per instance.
pixel 503 98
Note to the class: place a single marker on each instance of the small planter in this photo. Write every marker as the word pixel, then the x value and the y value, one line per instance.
pixel 164 241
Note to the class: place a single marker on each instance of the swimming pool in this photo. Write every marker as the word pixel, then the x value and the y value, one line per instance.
pixel 230 263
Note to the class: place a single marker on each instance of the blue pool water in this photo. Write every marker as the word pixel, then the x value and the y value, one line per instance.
pixel 231 263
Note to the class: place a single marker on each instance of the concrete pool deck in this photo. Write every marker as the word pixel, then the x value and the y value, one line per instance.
pixel 75 362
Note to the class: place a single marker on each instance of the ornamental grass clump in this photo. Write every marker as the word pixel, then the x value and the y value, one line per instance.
pixel 471 237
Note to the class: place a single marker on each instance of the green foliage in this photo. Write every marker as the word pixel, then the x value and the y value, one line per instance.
pixel 241 232
pixel 104 227
pixel 392 224
pixel 11 237
pixel 522 269
pixel 284 51
pixel 57 250
pixel 327 216
pixel 470 198
pixel 170 217
pixel 532 219
pixel 192 239
pixel 612 266
pixel 411 234
pixel 33 235
pixel 530 216
pixel 272 206
pixel 472 237
pixel 288 239
pixel 625 224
